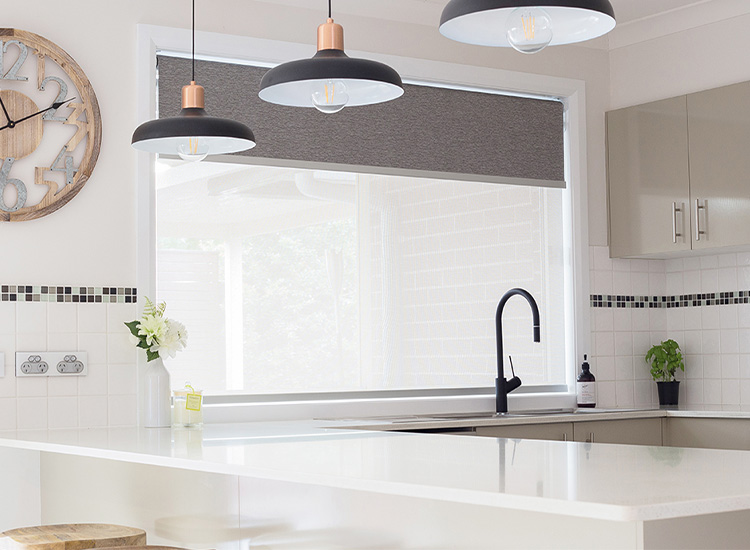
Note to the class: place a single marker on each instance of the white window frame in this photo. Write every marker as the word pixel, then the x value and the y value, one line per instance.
pixel 154 39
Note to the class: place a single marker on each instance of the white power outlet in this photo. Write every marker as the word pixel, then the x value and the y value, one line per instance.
pixel 51 363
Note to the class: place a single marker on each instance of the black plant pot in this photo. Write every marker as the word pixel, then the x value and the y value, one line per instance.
pixel 669 393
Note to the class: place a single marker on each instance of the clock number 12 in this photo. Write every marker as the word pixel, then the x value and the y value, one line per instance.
pixel 12 73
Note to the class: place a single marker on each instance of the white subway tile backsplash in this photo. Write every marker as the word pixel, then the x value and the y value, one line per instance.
pixel 62 412
pixel 727 260
pixel 31 413
pixel 31 318
pixel 743 335
pixel 693 318
pixel 61 387
pixel 7 414
pixel 606 395
pixel 691 282
pixel 122 410
pixel 676 319
pixel 743 258
pixel 694 392
pixel 729 341
pixel 31 341
pixel 622 283
pixel 730 392
pixel 31 387
pixel 604 343
pixel 728 279
pixel 603 319
pixel 118 314
pixel 62 317
pixel 693 367
pixel 710 317
pixel 711 342
pixel 624 368
pixel 95 345
pixel 643 392
pixel 711 366
pixel 624 392
pixel 122 379
pixel 95 382
pixel 7 318
pixel 675 284
pixel 623 343
pixel 92 411
pixel 657 320
pixel 93 319
pixel 675 265
pixel 620 265
pixel 603 368
pixel 602 283
pixel 59 341
pixel 622 319
pixel 730 366
pixel 120 349
pixel 712 391
pixel 639 265
pixel 639 282
pixel 709 280
pixel 692 263
pixel 709 262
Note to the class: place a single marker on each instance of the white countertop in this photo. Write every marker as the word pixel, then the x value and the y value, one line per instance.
pixel 614 482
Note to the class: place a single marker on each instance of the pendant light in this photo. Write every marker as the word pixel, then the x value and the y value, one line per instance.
pixel 526 25
pixel 330 80
pixel 193 134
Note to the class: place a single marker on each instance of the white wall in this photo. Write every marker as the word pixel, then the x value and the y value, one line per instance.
pixel 98 228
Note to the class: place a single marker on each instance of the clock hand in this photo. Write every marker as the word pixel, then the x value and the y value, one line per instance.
pixel 56 105
pixel 7 116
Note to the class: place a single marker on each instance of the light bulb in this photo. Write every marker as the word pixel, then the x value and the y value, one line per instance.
pixel 330 96
pixel 529 30
pixel 192 149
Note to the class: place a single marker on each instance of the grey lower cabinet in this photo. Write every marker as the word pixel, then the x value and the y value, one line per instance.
pixel 640 431
pixel 709 433
pixel 556 431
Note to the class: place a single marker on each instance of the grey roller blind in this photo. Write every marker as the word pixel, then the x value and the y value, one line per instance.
pixel 429 131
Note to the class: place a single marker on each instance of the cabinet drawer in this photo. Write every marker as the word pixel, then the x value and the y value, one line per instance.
pixel 559 431
pixel 641 431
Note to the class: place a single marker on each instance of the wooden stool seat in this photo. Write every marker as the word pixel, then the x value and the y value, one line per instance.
pixel 71 536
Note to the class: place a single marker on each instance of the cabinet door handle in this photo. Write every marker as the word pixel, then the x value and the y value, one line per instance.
pixel 675 210
pixel 565 436
pixel 591 438
pixel 698 208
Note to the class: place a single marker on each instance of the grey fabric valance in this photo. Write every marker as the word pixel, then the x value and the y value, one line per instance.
pixel 430 131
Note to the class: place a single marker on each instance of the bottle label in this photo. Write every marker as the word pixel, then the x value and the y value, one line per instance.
pixel 586 393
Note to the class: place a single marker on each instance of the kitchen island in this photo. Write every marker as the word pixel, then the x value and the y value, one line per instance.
pixel 330 484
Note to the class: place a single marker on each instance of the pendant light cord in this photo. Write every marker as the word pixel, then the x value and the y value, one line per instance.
pixel 329 9
pixel 194 40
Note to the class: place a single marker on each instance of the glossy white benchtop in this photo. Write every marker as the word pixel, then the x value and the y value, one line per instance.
pixel 615 482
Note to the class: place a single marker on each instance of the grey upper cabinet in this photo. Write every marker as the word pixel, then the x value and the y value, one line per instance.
pixel 649 185
pixel 679 173
pixel 719 129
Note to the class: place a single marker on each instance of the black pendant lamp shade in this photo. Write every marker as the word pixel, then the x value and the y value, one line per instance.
pixel 484 22
pixel 331 79
pixel 193 134
pixel 367 82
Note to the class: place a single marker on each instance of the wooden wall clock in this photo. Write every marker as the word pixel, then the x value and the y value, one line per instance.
pixel 50 126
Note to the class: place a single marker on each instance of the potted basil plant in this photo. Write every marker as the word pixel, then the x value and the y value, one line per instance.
pixel 665 359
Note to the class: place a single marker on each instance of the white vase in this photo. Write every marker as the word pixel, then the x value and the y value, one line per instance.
pixel 158 393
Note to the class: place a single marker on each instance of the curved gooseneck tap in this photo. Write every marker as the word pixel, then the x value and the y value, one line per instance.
pixel 502 386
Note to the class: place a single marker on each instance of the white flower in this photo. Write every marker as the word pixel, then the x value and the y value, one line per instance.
pixel 173 340
pixel 153 327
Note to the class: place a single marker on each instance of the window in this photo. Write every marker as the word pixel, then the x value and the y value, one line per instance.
pixel 297 281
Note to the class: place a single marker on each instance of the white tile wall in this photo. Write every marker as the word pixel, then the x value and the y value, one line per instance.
pixel 715 340
pixel 106 396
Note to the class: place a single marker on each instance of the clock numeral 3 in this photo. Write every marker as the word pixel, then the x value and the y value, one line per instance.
pixel 18 184
pixel 12 73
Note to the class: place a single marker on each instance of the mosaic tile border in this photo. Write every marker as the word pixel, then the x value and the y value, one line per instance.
pixel 71 294
pixel 665 302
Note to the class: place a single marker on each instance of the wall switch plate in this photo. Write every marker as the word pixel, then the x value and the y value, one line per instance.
pixel 51 363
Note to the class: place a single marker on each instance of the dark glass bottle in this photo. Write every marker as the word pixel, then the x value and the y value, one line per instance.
pixel 586 387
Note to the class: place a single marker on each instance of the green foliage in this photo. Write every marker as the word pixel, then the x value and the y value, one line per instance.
pixel 665 359
pixel 150 309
